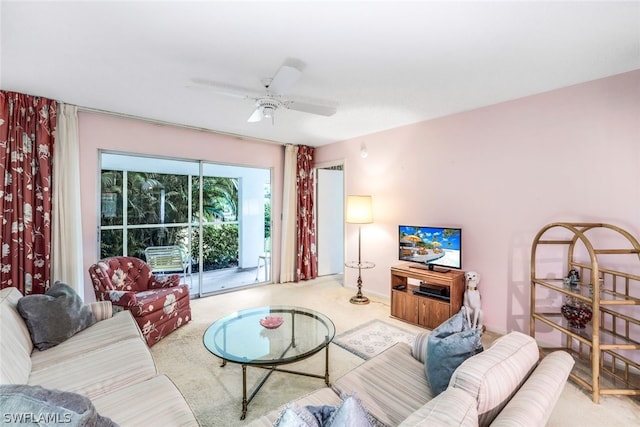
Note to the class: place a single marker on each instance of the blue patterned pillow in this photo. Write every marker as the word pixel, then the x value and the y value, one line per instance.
pixel 350 413
pixel 449 345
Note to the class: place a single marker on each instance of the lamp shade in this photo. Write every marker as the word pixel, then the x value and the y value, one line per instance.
pixel 359 210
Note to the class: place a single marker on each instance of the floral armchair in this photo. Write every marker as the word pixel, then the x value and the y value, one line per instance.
pixel 160 305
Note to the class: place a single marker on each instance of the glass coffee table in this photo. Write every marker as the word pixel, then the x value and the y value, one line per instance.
pixel 268 337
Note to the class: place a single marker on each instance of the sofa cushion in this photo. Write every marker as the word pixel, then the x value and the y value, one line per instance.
pixel 391 385
pixel 54 316
pixel 15 341
pixel 99 371
pixel 450 344
pixel 153 402
pixel 453 407
pixel 120 327
pixel 24 404
pixel 495 375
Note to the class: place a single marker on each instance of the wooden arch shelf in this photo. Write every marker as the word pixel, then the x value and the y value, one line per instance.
pixel 607 352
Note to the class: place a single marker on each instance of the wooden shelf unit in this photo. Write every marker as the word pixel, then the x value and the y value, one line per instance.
pixel 425 311
pixel 607 350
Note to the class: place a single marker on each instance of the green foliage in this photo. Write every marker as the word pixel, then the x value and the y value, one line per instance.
pixel 220 246
pixel 219 198
pixel 267 219
pixel 156 201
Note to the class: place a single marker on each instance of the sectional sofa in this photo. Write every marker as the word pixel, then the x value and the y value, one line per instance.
pixel 108 362
pixel 506 385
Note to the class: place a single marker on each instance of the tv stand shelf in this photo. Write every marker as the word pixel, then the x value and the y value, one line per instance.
pixel 425 310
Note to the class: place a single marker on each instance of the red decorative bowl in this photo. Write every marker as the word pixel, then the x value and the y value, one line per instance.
pixel 271 322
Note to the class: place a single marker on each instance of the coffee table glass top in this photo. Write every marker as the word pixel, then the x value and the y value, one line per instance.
pixel 241 338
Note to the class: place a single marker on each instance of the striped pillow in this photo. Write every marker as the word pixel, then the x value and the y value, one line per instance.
pixel 496 374
pixel 101 309
pixel 419 347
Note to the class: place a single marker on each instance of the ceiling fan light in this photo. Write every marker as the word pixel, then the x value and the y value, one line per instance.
pixel 267 111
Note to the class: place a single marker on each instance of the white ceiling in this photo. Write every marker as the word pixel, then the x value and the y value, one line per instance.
pixel 384 64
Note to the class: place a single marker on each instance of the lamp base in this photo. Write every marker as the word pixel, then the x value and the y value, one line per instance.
pixel 359 299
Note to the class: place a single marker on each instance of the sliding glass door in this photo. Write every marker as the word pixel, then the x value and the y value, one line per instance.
pixel 217 215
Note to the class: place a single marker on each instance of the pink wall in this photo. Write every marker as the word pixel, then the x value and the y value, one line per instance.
pixel 501 173
pixel 107 132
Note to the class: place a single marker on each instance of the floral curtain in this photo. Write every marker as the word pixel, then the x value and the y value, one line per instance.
pixel 27 127
pixel 307 264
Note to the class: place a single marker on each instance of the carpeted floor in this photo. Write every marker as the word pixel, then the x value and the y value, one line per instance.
pixel 215 392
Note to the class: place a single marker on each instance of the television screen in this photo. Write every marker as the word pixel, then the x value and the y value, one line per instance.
pixel 432 246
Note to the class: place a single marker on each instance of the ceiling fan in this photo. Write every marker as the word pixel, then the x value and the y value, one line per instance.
pixel 272 98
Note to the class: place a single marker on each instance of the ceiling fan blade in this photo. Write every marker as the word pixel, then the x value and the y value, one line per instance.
pixel 224 89
pixel 284 79
pixel 256 116
pixel 322 110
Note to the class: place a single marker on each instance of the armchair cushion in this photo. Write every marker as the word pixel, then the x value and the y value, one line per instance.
pixel 150 301
pixel 54 316
pixel 168 281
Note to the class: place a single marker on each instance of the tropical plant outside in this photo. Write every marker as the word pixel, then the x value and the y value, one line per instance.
pixel 157 214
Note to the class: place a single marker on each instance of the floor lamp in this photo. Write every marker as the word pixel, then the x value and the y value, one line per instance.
pixel 359 211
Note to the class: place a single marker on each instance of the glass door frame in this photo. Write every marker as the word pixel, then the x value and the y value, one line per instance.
pixel 247 243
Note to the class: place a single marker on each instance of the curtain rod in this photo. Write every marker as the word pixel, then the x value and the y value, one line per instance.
pixel 171 124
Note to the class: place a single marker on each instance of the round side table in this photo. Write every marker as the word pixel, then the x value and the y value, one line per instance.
pixel 359 298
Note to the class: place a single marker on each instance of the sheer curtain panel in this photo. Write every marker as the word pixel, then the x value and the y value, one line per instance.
pixel 288 252
pixel 67 219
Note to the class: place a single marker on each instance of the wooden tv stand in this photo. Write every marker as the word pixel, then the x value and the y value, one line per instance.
pixel 428 311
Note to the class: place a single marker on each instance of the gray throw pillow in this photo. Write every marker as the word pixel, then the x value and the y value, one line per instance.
pixel 35 405
pixel 54 316
pixel 448 346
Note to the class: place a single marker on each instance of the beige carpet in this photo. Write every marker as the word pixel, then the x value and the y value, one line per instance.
pixel 215 392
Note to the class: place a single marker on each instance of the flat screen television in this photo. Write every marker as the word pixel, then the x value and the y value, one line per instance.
pixel 431 247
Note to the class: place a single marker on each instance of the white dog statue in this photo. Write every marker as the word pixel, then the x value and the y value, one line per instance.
pixel 472 300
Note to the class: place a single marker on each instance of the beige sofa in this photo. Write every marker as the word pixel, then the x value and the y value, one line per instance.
pixel 109 362
pixel 506 385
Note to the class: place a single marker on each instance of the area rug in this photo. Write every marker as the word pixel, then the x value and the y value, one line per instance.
pixel 372 338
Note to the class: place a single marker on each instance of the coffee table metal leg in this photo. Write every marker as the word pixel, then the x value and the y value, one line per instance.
pixel 326 365
pixel 245 404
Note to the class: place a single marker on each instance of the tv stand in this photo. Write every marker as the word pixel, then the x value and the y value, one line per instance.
pixel 430 268
pixel 420 309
